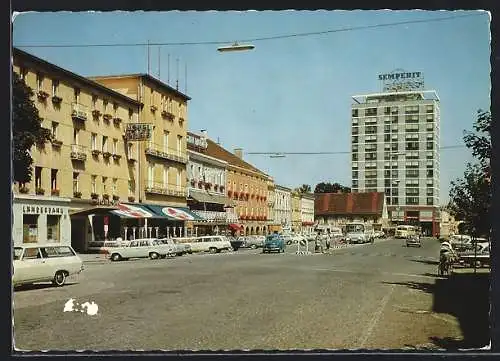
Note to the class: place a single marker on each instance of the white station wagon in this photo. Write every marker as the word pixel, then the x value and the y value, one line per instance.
pixel 141 248
pixel 44 262
pixel 212 244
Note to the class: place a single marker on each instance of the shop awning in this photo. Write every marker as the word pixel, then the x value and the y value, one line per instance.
pixel 174 213
pixel 92 210
pixel 134 211
pixel 208 198
pixel 235 227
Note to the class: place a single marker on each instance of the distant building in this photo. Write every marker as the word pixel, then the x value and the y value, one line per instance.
pixel 395 148
pixel 337 209
pixel 283 207
pixel 307 212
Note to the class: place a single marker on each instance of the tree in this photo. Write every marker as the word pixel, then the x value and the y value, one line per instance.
pixel 26 128
pixel 331 188
pixel 470 196
pixel 304 188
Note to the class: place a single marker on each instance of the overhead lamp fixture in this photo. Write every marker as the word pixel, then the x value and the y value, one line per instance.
pixel 235 47
pixel 277 155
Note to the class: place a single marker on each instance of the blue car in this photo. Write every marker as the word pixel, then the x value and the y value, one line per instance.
pixel 274 243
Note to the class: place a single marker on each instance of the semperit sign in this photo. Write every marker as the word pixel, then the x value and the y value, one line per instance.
pixel 401 80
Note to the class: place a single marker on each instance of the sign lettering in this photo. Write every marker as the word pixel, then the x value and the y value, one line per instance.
pixel 400 80
pixel 138 131
pixel 29 209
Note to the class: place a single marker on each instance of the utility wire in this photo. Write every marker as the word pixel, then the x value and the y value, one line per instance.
pixel 338 152
pixel 276 37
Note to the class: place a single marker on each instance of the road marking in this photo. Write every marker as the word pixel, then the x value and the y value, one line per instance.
pixel 376 317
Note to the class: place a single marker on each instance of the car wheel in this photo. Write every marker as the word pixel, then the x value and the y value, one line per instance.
pixel 212 250
pixel 59 278
pixel 116 257
pixel 253 246
pixel 153 255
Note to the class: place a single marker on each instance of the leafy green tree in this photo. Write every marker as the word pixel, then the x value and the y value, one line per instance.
pixel 470 196
pixel 326 187
pixel 304 188
pixel 26 128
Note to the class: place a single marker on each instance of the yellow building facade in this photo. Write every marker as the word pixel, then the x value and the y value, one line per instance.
pixel 247 189
pixel 162 159
pixel 86 163
pixel 296 212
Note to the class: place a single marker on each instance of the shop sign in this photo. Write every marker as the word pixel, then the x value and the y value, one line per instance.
pixel 32 209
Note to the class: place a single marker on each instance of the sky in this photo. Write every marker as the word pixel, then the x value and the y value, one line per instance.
pixel 287 95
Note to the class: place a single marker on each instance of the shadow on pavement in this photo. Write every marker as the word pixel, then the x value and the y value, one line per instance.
pixel 426 261
pixel 466 297
pixel 39 286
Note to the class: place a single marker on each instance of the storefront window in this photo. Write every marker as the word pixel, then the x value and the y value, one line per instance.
pixel 30 228
pixel 53 227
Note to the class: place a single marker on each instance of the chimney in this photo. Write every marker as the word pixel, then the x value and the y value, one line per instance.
pixel 203 133
pixel 238 152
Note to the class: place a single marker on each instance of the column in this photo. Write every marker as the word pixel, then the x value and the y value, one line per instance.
pixel 126 230
pixel 134 229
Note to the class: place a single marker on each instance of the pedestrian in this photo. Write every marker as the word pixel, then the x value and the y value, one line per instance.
pixel 328 244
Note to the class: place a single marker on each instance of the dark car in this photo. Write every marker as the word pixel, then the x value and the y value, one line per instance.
pixel 413 241
pixel 274 243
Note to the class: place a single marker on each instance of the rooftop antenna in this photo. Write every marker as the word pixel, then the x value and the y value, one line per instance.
pixel 159 63
pixel 177 80
pixel 148 56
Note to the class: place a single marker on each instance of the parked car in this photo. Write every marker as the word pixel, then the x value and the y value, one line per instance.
pixel 180 249
pixel 212 244
pixel 236 242
pixel 141 248
pixel 379 234
pixel 274 242
pixel 413 241
pixel 461 242
pixel 254 241
pixel 45 262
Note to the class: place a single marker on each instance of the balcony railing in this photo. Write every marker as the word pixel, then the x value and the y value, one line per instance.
pixel 165 189
pixel 165 153
pixel 217 216
pixel 79 111
pixel 78 152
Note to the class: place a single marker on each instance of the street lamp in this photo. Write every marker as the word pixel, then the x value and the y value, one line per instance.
pixel 236 47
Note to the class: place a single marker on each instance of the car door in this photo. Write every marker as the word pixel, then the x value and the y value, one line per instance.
pixel 31 267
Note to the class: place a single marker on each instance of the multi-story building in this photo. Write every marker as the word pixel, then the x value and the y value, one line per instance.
pixel 162 159
pixel 207 188
pixel 395 149
pixel 86 163
pixel 307 212
pixel 295 212
pixel 274 225
pixel 247 190
pixel 283 207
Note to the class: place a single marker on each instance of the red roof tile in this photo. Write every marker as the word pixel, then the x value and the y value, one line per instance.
pixel 349 203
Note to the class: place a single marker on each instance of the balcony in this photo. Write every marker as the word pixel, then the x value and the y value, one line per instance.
pixel 79 111
pixel 225 217
pixel 165 189
pixel 78 152
pixel 167 114
pixel 155 150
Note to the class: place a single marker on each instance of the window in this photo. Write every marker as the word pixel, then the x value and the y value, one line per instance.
pixel 354 174
pixel 355 148
pixel 430 201
pixel 39 81
pixel 430 173
pixel 55 86
pixel 411 146
pixel 105 105
pixel 115 108
pixel 75 136
pixel 114 185
pixel 165 176
pixel 150 174
pixel 372 173
pixel 131 187
pixel 370 138
pixel 54 129
pixel 130 150
pixel 355 157
pixel 53 179
pixel 355 112
pixel 130 114
pixel 387 137
pixel 355 130
pixel 387 110
pixel 23 72
pixel 75 182
pixel 76 95
pixel 93 141
pixel 93 183
pixel 165 141
pixel 371 129
pixel 178 180
pixel 394 119
pixel 104 185
pixel 429 109
pixel 395 200
pixel 53 230
pixel 430 146
pixel 179 145
pixel 38 177
pixel 355 139
pixel 115 146
pixel 32 253
pixel 412 191
pixel 94 101
pixel 104 143
pixel 370 111
pixel 370 156
pixel 411 200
